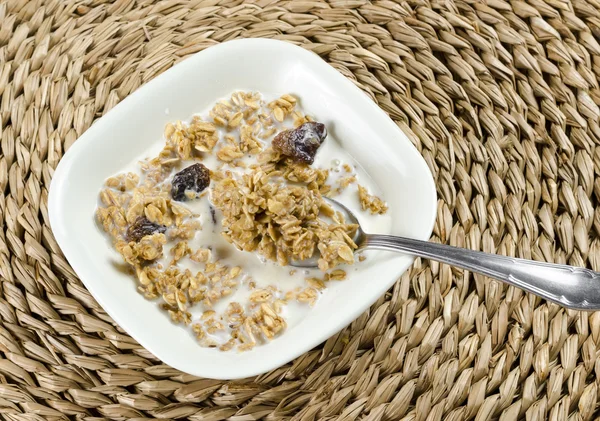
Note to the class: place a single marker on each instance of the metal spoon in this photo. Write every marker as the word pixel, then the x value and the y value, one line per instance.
pixel 569 286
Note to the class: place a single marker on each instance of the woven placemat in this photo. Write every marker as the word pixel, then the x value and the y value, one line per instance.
pixel 501 98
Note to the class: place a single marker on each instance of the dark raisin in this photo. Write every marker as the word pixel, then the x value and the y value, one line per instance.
pixel 301 144
pixel 213 215
pixel 194 178
pixel 143 227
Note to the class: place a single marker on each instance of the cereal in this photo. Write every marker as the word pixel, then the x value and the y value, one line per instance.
pixel 370 202
pixel 251 163
pixel 281 222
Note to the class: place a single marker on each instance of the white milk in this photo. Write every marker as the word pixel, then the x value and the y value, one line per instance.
pixel 265 273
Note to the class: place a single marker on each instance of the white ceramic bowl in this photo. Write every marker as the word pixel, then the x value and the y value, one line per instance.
pixel 192 86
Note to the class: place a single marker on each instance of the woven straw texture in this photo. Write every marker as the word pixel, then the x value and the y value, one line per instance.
pixel 500 97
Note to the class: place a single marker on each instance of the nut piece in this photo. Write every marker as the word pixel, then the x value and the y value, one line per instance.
pixel 301 144
pixel 143 227
pixel 371 202
pixel 193 179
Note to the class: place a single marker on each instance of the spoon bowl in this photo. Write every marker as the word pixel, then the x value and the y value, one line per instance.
pixel 351 218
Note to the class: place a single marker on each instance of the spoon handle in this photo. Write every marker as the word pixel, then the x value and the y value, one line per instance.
pixel 569 286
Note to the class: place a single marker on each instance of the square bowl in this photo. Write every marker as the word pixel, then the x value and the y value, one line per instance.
pixel 130 128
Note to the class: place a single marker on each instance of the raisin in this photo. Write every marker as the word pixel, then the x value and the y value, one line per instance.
pixel 301 144
pixel 213 215
pixel 143 227
pixel 194 178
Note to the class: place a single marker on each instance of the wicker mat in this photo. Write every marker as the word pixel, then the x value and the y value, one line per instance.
pixel 501 98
